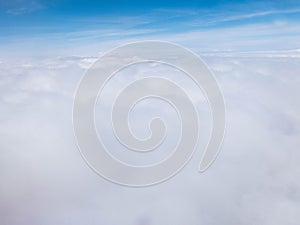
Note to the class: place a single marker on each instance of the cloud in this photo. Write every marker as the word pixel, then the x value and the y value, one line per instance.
pixel 21 8
pixel 257 14
pixel 255 179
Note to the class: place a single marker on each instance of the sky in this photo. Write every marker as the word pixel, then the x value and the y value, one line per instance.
pixel 63 24
pixel 252 48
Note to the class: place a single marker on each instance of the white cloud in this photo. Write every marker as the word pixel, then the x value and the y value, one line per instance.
pixel 255 179
pixel 24 7
pixel 257 14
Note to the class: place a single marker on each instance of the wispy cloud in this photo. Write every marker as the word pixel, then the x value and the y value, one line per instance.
pixel 25 8
pixel 257 14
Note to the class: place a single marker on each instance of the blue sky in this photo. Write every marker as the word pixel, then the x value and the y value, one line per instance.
pixel 29 19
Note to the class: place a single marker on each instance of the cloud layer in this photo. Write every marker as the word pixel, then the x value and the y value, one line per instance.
pixel 255 179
